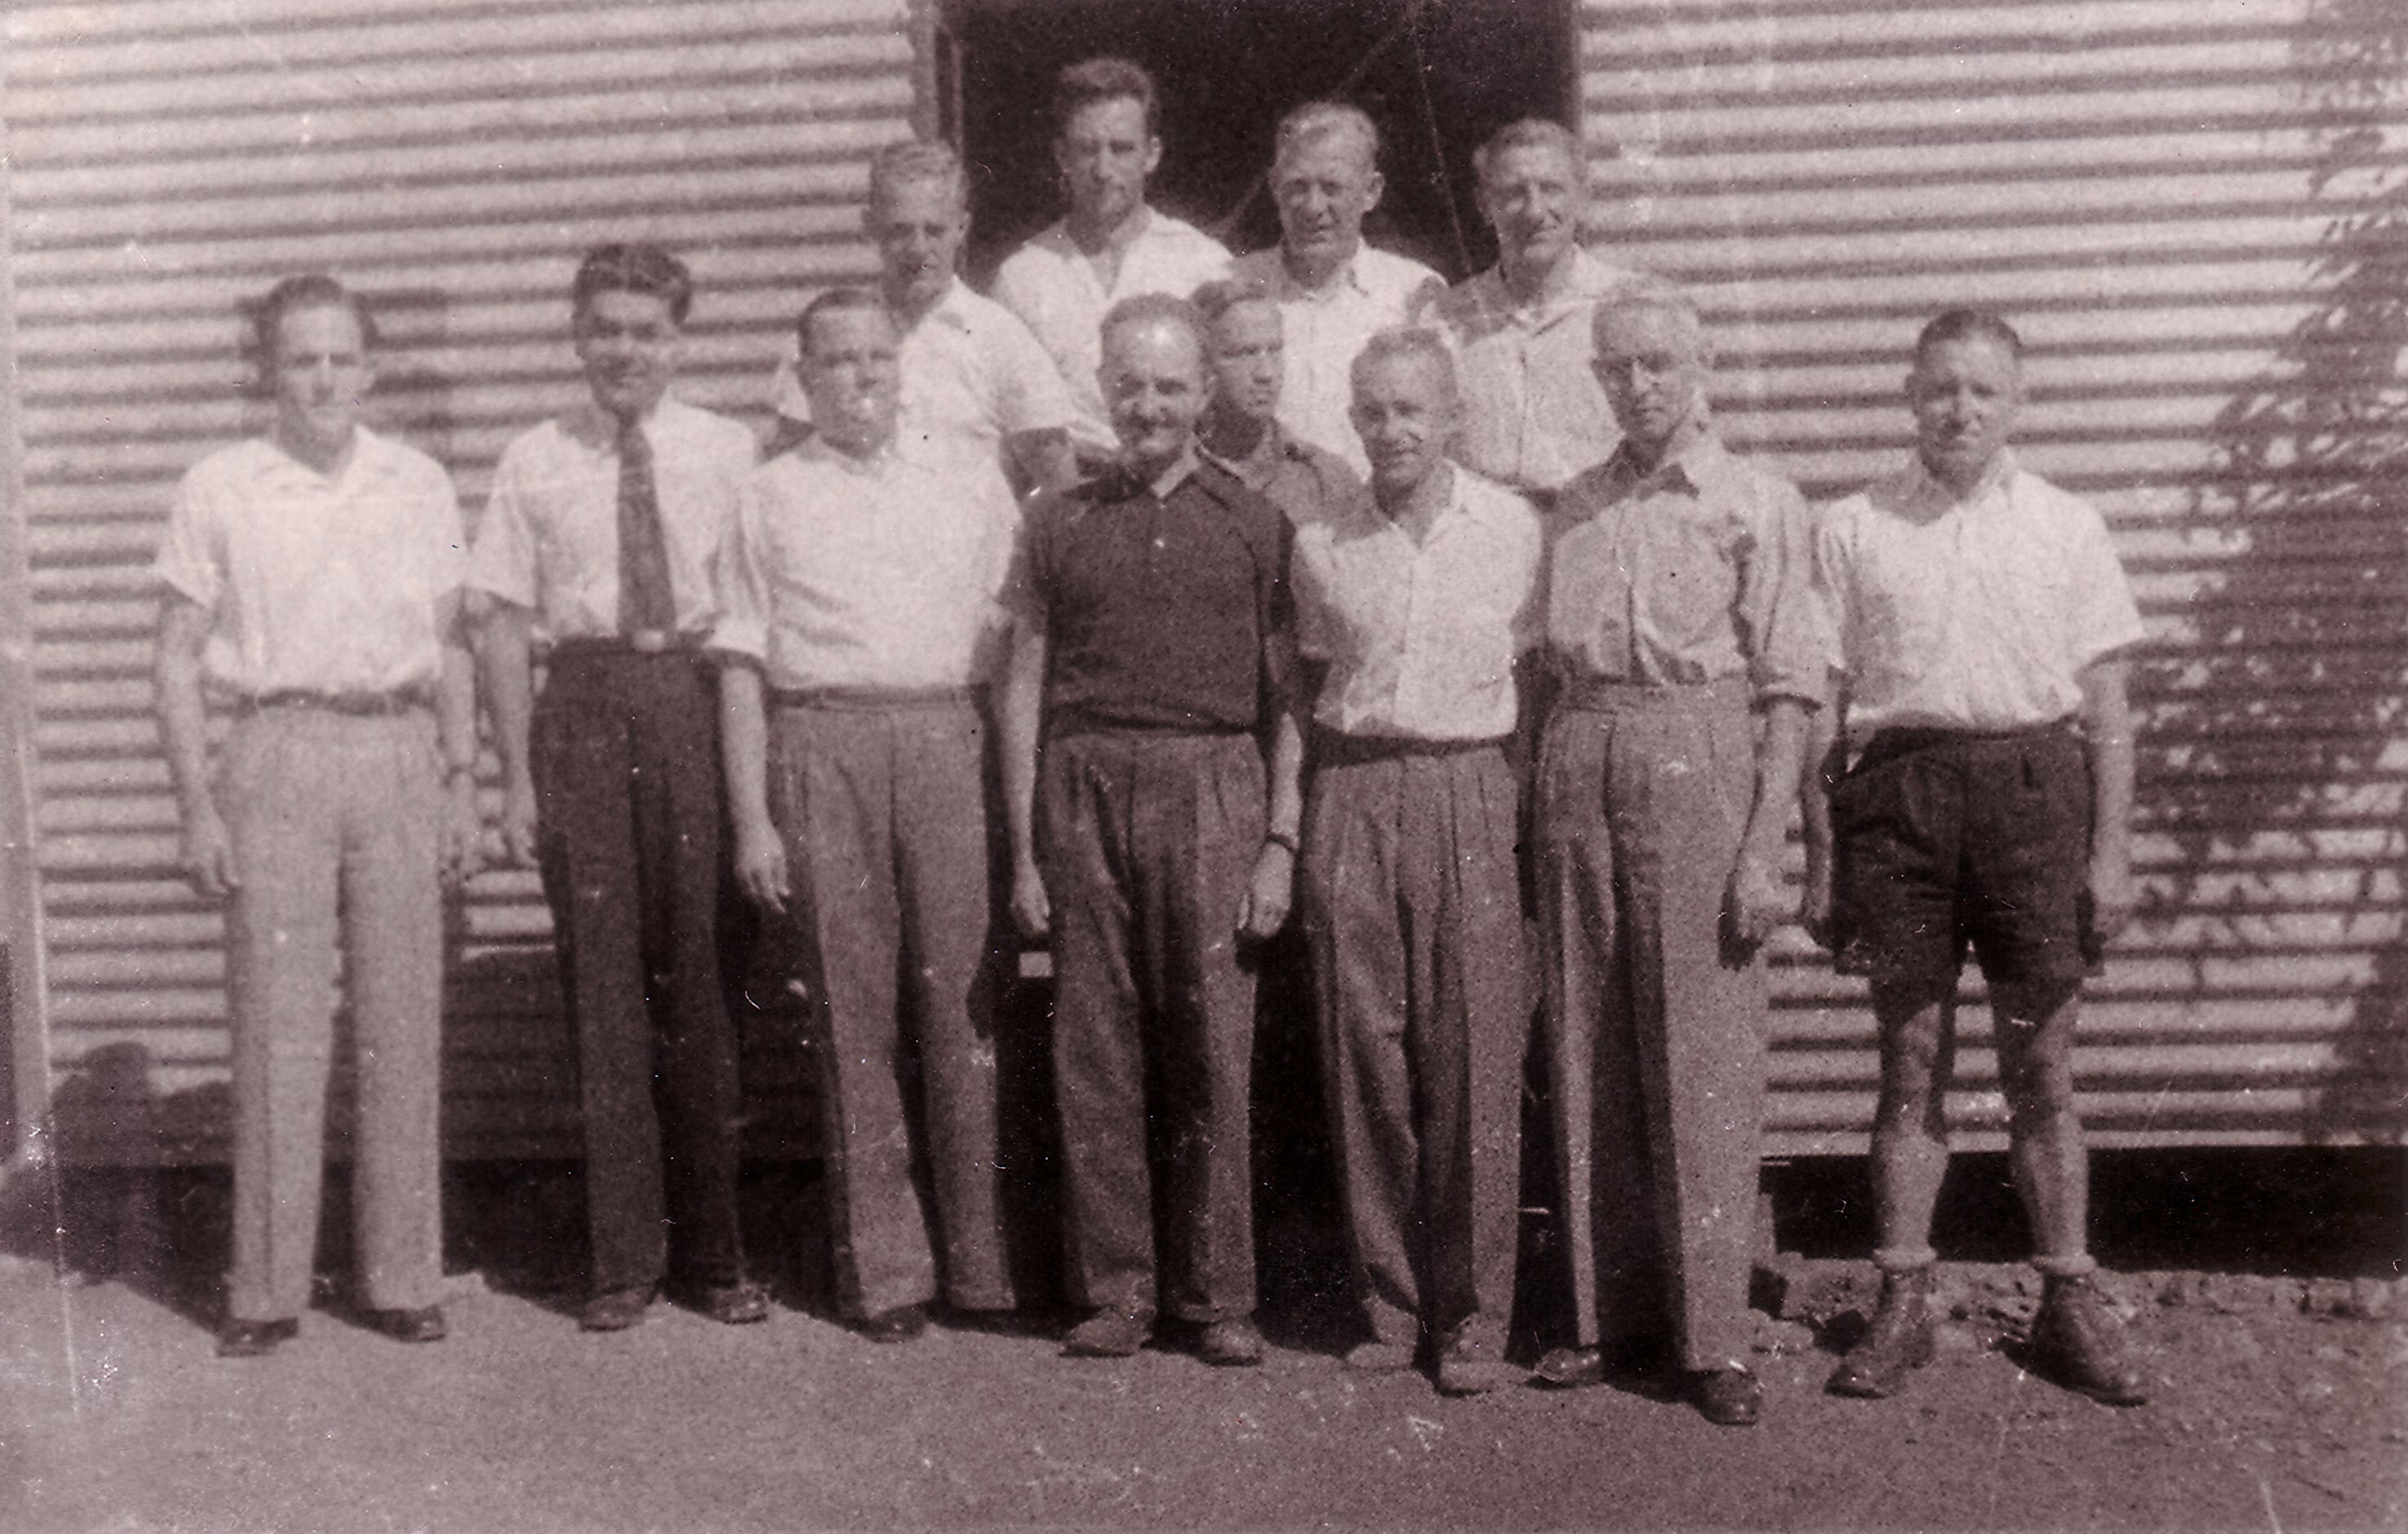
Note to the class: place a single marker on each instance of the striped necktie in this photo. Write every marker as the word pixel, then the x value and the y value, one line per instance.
pixel 644 598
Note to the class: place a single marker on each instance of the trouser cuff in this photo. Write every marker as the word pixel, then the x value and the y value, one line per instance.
pixel 2080 1265
pixel 1904 1259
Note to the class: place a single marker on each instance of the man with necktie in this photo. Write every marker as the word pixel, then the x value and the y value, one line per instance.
pixel 597 550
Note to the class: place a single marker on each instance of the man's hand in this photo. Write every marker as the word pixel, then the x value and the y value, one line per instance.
pixel 208 852
pixel 1758 903
pixel 2114 895
pixel 1269 892
pixel 1814 915
pixel 1032 911
pixel 519 823
pixel 463 847
pixel 761 865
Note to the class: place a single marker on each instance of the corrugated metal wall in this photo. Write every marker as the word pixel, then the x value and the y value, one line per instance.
pixel 2195 210
pixel 169 159
pixel 2194 207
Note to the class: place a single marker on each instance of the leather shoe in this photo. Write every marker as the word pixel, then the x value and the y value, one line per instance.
pixel 1469 1366
pixel 1577 1368
pixel 1234 1343
pixel 1729 1396
pixel 1109 1334
pixel 900 1324
pixel 1898 1341
pixel 422 1325
pixel 1571 1369
pixel 736 1304
pixel 615 1309
pixel 1377 1357
pixel 2076 1340
pixel 254 1338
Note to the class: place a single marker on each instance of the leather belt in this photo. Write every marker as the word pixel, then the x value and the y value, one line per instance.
pixel 1591 695
pixel 872 698
pixel 353 704
pixel 642 641
pixel 1332 749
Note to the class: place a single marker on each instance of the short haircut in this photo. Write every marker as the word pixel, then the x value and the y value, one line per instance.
pixel 1317 119
pixel 916 161
pixel 1413 341
pixel 1523 133
pixel 1969 325
pixel 314 290
pixel 1153 308
pixel 1223 294
pixel 633 268
pixel 1081 85
pixel 834 301
pixel 1656 293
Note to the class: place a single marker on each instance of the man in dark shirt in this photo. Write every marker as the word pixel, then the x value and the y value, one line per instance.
pixel 1152 643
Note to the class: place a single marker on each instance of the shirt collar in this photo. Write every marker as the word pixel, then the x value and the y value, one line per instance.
pixel 590 423
pixel 368 459
pixel 1696 459
pixel 1588 280
pixel 1255 469
pixel 818 450
pixel 1348 278
pixel 1165 484
pixel 1926 493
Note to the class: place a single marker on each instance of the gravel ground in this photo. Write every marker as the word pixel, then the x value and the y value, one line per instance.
pixel 2282 1403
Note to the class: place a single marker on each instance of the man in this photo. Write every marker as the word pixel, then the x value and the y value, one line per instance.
pixel 313 579
pixel 975 384
pixel 1335 292
pixel 1152 636
pixel 1982 622
pixel 1688 647
pixel 1534 412
pixel 861 592
pixel 1245 349
pixel 600 539
pixel 1419 599
pixel 1109 246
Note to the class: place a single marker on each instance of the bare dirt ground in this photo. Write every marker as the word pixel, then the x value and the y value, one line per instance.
pixel 2282 1400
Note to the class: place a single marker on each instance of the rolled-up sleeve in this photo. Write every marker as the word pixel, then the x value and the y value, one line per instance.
pixel 1787 622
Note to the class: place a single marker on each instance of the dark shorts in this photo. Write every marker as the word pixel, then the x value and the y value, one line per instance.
pixel 1942 841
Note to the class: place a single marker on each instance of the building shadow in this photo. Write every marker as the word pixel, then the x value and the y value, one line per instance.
pixel 2276 750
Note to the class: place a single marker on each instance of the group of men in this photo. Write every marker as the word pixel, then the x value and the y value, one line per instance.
pixel 1442 615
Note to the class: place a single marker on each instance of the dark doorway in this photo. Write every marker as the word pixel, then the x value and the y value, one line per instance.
pixel 1437 76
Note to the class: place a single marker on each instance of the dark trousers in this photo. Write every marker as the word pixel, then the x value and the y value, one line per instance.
pixel 883 812
pixel 1146 839
pixel 1412 905
pixel 626 754
pixel 1655 1053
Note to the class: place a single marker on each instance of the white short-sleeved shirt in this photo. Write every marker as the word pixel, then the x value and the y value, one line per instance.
pixel 1325 329
pixel 1421 638
pixel 549 538
pixel 1534 412
pixel 1973 614
pixel 311 583
pixel 1053 288
pixel 885 575
pixel 971 376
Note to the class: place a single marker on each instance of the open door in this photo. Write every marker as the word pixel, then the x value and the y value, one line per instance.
pixel 1437 76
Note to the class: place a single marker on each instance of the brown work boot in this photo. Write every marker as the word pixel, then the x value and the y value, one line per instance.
pixel 1898 1342
pixel 2078 1343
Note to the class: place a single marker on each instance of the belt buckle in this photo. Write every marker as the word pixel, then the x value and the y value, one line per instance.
pixel 649 641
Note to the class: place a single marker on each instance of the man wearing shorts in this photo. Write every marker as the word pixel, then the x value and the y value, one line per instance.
pixel 1981 619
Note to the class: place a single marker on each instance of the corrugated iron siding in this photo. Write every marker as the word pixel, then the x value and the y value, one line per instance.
pixel 2195 211
pixel 168 159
